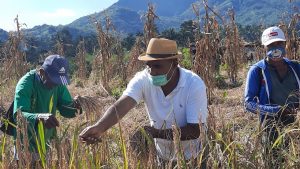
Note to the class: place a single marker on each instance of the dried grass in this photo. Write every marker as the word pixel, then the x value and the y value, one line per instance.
pixel 141 147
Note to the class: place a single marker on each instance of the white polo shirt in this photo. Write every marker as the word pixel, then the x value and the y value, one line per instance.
pixel 187 103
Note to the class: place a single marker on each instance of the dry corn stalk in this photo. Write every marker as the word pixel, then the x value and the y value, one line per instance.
pixel 207 58
pixel 102 64
pixel 259 52
pixel 178 147
pixel 149 27
pixel 80 61
pixel 59 47
pixel 233 52
pixel 96 69
pixel 134 65
pixel 292 37
pixel 14 62
pixel 120 65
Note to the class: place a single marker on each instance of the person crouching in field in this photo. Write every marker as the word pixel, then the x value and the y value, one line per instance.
pixel 39 94
pixel 172 96
pixel 272 89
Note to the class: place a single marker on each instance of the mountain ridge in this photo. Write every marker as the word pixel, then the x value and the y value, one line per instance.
pixel 247 12
pixel 127 18
pixel 126 14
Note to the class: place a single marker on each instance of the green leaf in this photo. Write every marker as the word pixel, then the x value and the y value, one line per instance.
pixel 225 94
pixel 41 143
pixel 219 136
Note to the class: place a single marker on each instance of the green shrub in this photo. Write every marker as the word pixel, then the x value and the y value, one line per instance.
pixel 186 61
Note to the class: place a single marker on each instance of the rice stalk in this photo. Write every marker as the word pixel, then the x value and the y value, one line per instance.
pixel 22 142
pixel 123 147
pixel 74 150
pixel 90 105
pixel 178 147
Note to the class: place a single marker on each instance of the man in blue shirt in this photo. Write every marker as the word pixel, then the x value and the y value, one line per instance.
pixel 271 87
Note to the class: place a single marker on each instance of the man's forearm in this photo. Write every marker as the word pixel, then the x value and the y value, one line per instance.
pixel 110 118
pixel 29 116
pixel 115 113
pixel 189 132
pixel 254 107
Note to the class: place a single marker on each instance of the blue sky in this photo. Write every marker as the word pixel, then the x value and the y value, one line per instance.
pixel 51 12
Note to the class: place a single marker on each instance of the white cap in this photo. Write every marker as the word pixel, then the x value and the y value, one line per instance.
pixel 272 34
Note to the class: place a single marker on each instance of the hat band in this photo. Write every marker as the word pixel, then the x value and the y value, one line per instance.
pixel 161 55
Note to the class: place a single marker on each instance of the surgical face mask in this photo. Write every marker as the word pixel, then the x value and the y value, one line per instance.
pixel 161 80
pixel 276 52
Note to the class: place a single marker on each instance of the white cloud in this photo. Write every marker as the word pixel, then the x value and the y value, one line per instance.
pixel 59 13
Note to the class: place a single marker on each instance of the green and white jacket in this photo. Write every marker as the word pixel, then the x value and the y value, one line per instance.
pixel 32 98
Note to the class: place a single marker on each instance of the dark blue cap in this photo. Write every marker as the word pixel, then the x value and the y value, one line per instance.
pixel 57 68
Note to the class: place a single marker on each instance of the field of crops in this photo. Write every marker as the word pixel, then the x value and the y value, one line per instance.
pixel 234 138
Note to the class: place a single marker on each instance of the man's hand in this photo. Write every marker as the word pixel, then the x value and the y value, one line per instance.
pixel 288 111
pixel 48 119
pixel 112 115
pixel 77 104
pixel 153 132
pixel 90 135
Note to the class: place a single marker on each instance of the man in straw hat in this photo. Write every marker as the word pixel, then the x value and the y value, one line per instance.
pixel 272 89
pixel 39 94
pixel 173 96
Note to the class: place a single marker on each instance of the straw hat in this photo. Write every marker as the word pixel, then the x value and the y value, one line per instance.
pixel 160 49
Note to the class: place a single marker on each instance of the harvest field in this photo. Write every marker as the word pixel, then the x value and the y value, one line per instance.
pixel 234 138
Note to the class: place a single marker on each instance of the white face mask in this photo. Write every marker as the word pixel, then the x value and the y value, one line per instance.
pixel 276 52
